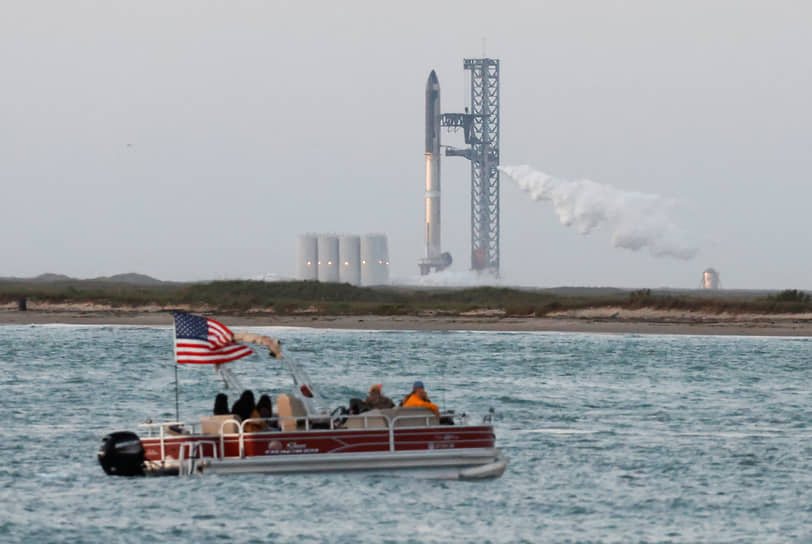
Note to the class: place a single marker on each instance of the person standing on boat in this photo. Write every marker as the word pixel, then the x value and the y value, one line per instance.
pixel 418 397
pixel 376 399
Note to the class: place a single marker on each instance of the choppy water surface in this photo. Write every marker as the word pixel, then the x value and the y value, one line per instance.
pixel 612 438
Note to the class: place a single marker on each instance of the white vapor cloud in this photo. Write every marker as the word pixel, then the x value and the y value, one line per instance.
pixel 637 220
pixel 450 278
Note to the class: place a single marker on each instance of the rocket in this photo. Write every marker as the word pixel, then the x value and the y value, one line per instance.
pixel 434 257
pixel 433 241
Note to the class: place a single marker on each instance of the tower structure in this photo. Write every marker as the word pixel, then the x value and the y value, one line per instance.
pixel 481 129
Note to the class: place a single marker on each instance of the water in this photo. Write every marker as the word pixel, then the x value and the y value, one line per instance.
pixel 611 438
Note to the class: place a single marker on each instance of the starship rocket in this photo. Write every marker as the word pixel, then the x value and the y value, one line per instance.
pixel 434 257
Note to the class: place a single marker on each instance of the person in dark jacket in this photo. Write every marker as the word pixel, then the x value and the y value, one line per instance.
pixel 376 399
pixel 221 405
pixel 263 410
pixel 244 406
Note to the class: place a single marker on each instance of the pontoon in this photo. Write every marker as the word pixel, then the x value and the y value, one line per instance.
pixel 303 436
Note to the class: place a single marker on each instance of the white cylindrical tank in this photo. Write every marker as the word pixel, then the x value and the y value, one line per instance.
pixel 328 258
pixel 374 260
pixel 307 267
pixel 349 256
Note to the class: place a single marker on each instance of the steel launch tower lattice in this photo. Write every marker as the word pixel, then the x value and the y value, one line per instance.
pixel 481 128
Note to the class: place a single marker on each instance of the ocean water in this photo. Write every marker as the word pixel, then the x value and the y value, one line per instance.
pixel 612 438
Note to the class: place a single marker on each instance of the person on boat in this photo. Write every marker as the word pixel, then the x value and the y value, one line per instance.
pixel 244 406
pixel 418 397
pixel 263 410
pixel 357 406
pixel 376 399
pixel 221 405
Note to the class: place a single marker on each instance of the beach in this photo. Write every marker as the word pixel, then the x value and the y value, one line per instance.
pixel 591 320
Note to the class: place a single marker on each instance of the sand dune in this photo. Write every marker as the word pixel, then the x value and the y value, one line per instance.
pixel 599 320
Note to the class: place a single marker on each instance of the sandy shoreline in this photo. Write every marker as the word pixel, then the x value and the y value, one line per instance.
pixel 604 321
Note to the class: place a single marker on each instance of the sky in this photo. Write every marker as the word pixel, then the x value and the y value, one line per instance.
pixel 195 140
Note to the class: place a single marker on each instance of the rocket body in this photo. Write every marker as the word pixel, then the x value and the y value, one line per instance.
pixel 433 232
pixel 434 259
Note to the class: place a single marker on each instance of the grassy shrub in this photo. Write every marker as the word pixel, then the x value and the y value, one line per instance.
pixel 791 295
pixel 294 296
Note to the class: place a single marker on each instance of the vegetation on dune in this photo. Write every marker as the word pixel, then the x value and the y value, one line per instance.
pixel 343 299
pixel 789 301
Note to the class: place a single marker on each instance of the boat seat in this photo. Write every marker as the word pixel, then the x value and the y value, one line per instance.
pixel 176 430
pixel 427 417
pixel 289 406
pixel 376 419
pixel 372 419
pixel 211 424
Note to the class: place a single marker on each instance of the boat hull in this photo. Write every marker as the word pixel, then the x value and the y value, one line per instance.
pixel 455 452
pixel 445 464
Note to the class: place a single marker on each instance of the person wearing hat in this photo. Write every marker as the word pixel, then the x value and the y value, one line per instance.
pixel 376 399
pixel 418 397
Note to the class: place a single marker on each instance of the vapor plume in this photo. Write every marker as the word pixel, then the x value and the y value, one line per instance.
pixel 637 220
pixel 450 278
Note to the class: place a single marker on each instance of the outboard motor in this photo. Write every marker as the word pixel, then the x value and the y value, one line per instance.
pixel 122 454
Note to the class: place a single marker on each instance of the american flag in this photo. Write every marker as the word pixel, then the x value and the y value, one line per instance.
pixel 205 341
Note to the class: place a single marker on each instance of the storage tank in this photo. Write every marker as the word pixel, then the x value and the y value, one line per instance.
pixel 328 258
pixel 307 267
pixel 374 260
pixel 349 256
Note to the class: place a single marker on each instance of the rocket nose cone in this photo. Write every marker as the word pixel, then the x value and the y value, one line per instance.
pixel 432 81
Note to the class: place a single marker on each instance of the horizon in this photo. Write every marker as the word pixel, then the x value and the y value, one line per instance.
pixel 394 283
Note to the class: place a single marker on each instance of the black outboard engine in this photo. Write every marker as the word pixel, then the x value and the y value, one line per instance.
pixel 122 454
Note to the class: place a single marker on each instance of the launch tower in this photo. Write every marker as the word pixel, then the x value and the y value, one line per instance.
pixel 480 126
pixel 481 129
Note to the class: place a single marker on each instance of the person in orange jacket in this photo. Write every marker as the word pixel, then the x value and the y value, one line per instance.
pixel 418 397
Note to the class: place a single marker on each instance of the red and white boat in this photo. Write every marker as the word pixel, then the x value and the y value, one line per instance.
pixel 309 439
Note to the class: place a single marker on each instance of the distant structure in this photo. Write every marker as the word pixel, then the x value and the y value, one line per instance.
pixel 328 258
pixel 349 258
pixel 434 259
pixel 481 129
pixel 710 280
pixel 349 266
pixel 307 267
pixel 374 260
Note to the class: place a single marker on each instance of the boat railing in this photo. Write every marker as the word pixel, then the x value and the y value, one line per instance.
pixel 230 423
pixel 391 423
pixel 162 428
pixel 150 426
pixel 197 452
pixel 310 422
pixel 265 420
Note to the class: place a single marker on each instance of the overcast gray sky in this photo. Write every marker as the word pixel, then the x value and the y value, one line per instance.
pixel 193 140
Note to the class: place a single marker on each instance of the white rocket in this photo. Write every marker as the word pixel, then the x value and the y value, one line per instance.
pixel 434 257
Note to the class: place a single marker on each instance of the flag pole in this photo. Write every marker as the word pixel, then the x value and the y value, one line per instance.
pixel 175 364
pixel 177 404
